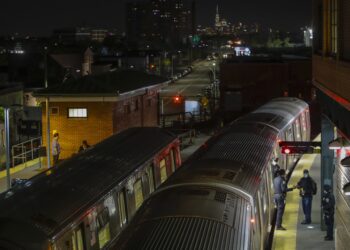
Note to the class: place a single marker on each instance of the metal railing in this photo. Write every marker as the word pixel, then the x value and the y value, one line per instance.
pixel 26 151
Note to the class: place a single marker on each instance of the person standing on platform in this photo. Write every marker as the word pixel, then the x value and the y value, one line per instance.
pixel 308 188
pixel 56 149
pixel 328 203
pixel 281 189
pixel 275 167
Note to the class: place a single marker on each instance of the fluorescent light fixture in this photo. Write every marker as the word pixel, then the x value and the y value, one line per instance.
pixel 346 189
pixel 345 162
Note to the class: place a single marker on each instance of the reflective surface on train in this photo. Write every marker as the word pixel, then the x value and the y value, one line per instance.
pixel 222 197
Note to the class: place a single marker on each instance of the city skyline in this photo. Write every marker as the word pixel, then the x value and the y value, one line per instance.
pixel 43 17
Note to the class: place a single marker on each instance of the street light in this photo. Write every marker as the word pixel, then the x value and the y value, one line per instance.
pixel 47 115
pixel 214 71
pixel 7 135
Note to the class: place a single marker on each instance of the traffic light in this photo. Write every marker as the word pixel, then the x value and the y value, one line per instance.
pixel 177 99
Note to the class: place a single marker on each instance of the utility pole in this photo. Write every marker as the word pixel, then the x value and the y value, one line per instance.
pixel 8 159
pixel 47 117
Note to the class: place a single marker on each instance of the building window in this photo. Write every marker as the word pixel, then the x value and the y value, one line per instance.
pixel 77 112
pixel 334 26
pixel 54 111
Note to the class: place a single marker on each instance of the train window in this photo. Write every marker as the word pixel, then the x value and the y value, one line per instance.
pixel 109 203
pixel 297 130
pixel 77 239
pixel 104 234
pixel 163 173
pixel 138 193
pixel 172 160
pixel 289 134
pixel 150 176
pixel 122 208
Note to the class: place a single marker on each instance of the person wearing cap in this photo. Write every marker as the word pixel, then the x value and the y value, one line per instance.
pixel 308 188
pixel 328 203
pixel 56 149
pixel 280 193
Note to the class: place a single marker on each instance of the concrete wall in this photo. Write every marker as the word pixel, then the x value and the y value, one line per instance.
pixel 332 74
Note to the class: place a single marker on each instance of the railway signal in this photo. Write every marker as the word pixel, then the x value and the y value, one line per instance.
pixel 177 99
pixel 296 147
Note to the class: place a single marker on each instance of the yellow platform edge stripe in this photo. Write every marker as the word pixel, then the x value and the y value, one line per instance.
pixel 286 240
pixel 20 167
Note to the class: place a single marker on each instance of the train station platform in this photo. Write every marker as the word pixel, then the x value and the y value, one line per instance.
pixel 298 236
pixel 22 171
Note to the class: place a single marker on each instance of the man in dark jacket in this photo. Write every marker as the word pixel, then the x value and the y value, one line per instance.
pixel 307 187
pixel 281 189
pixel 328 203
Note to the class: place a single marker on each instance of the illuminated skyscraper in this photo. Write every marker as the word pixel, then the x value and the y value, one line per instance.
pixel 158 23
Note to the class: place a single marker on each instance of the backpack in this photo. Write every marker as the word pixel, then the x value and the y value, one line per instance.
pixel 314 187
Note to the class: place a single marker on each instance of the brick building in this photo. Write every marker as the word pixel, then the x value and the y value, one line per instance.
pixel 248 82
pixel 95 107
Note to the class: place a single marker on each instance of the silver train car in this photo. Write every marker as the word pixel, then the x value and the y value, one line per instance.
pixel 222 196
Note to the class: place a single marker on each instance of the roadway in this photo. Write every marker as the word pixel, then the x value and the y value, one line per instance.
pixel 188 87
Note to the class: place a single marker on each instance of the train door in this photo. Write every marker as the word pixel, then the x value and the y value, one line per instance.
pixel 122 208
pixel 103 228
pixel 73 240
pixel 297 130
pixel 288 137
pixel 172 160
pixel 261 219
pixel 303 125
pixel 163 170
pixel 150 178
pixel 138 194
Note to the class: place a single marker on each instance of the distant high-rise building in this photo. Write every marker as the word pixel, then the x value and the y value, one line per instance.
pixel 159 23
pixel 217 17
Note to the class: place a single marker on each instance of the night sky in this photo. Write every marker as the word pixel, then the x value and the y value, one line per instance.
pixel 39 17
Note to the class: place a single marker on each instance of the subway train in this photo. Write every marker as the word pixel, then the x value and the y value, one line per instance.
pixel 87 200
pixel 221 198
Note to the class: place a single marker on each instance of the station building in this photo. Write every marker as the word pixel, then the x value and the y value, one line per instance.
pixel 93 108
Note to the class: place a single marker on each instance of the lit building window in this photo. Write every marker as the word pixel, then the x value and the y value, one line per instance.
pixel 334 26
pixel 77 112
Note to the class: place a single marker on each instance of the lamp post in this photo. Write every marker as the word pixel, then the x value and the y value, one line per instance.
pixel 47 116
pixel 172 66
pixel 7 135
pixel 7 132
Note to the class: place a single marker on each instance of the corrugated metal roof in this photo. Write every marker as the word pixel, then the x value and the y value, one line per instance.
pixel 110 83
pixel 185 233
pixel 55 195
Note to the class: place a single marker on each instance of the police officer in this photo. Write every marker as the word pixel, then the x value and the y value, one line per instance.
pixel 275 167
pixel 328 203
pixel 306 186
pixel 281 189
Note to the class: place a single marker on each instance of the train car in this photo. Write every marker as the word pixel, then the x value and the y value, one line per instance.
pixel 221 198
pixel 86 201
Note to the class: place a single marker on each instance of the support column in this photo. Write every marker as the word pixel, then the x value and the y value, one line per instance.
pixel 327 158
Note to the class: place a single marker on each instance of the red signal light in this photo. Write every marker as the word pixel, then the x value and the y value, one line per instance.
pixel 286 150
pixel 177 99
